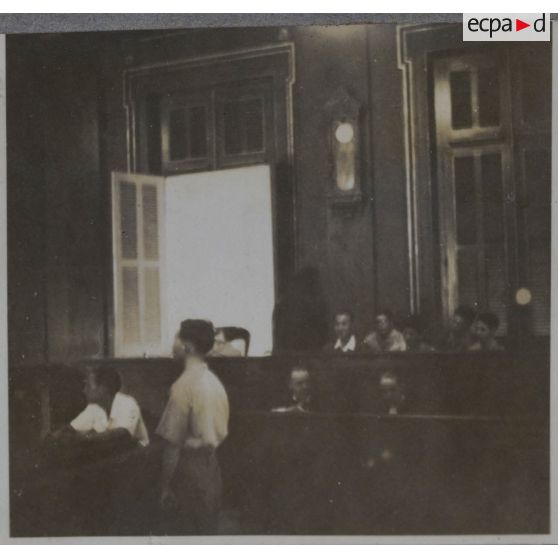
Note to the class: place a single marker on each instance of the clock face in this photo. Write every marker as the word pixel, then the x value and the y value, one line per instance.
pixel 345 157
pixel 344 133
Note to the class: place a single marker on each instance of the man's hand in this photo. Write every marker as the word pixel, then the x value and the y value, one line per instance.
pixel 66 433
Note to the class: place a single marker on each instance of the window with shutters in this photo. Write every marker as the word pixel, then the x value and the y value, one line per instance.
pixel 137 202
pixel 196 245
pixel 216 112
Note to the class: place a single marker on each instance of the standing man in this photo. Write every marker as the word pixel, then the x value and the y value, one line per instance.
pixel 194 423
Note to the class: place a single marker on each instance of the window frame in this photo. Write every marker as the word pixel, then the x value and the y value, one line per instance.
pixel 170 103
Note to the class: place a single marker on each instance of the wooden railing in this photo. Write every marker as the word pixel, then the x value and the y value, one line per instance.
pixel 469 452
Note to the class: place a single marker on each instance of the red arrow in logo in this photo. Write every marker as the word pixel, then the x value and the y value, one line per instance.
pixel 519 25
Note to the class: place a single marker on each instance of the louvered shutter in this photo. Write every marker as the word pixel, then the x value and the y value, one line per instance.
pixel 137 221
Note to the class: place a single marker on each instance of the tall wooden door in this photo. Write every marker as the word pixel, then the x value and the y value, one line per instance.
pixel 493 200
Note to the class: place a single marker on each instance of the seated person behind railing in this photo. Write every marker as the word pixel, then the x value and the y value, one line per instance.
pixel 109 415
pixel 224 347
pixel 345 340
pixel 392 393
pixel 301 391
pixel 484 331
pixel 458 338
pixel 413 332
pixel 385 338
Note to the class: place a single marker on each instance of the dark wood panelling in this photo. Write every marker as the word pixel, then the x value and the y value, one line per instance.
pixel 337 240
pixel 55 182
pixel 389 185
pixel 25 204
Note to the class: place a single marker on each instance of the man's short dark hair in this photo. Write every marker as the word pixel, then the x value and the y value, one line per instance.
pixel 385 312
pixel 467 313
pixel 345 312
pixel 200 333
pixel 490 319
pixel 109 378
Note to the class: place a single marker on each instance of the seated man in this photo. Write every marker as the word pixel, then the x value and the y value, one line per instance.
pixel 385 338
pixel 392 393
pixel 413 332
pixel 458 338
pixel 344 332
pixel 300 388
pixel 109 414
pixel 484 333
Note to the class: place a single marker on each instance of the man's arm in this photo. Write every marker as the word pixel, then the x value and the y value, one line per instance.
pixel 108 435
pixel 62 434
pixel 75 430
pixel 68 434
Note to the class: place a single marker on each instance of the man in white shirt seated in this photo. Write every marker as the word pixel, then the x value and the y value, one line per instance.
pixel 109 414
pixel 345 341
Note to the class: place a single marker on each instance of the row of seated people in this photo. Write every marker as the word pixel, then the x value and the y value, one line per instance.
pixel 302 323
pixel 111 414
pixel 469 331
pixel 300 386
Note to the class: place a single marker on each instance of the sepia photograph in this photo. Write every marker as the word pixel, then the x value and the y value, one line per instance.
pixel 278 280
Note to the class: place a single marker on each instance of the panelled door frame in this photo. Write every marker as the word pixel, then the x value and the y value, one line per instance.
pixel 417 45
pixel 451 142
pixel 274 63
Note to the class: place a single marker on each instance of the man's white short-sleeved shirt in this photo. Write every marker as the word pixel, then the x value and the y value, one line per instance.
pixel 197 412
pixel 124 413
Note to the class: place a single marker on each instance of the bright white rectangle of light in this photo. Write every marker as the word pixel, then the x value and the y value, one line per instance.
pixel 219 261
